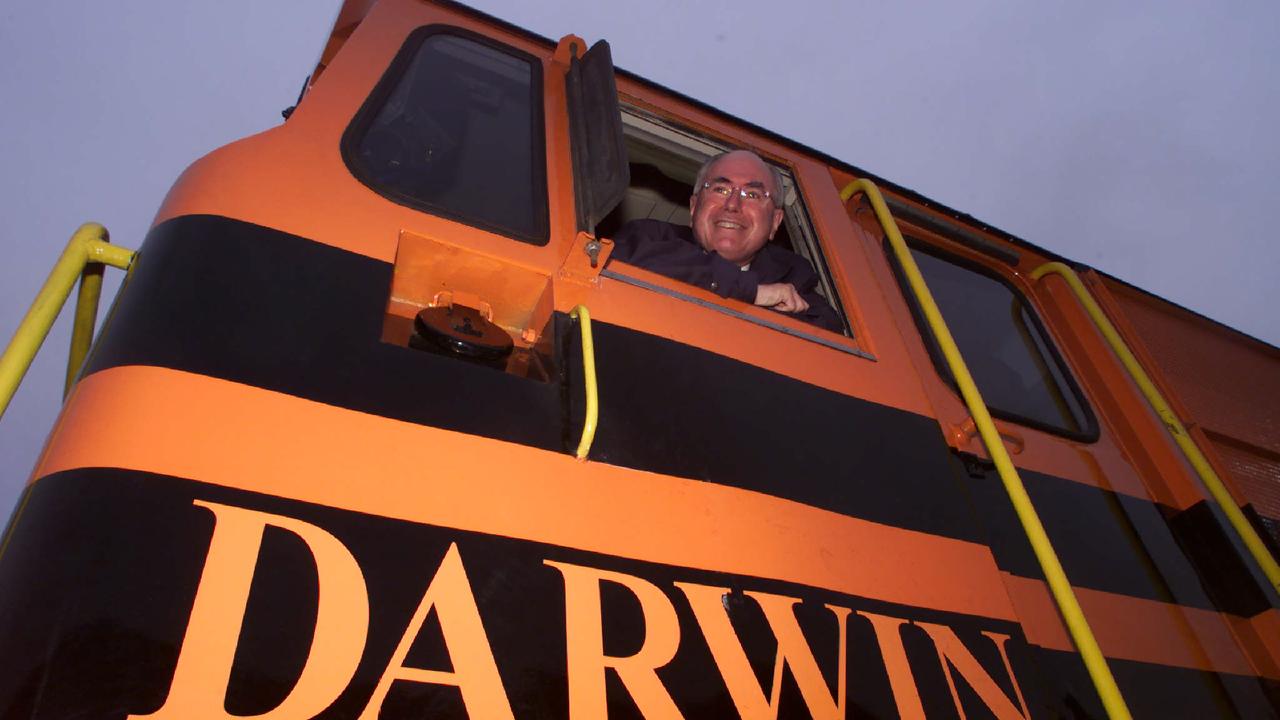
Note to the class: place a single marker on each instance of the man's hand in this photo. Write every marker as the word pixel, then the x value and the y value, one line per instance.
pixel 781 297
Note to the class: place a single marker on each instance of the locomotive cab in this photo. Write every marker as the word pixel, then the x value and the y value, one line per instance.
pixel 378 427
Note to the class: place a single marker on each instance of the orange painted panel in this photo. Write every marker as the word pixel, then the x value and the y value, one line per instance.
pixel 1228 382
pixel 191 426
pixel 1130 628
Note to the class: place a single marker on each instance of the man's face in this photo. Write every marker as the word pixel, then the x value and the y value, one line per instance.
pixel 734 227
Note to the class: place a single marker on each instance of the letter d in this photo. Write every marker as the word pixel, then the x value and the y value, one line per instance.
pixel 199 689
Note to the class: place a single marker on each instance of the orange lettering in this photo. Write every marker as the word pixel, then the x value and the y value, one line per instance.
pixel 475 672
pixel 901 679
pixel 584 639
pixel 952 652
pixel 793 651
pixel 200 680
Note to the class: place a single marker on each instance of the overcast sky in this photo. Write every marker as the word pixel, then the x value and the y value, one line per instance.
pixel 1138 138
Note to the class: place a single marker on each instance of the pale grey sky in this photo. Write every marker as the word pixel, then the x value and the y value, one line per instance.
pixel 1138 138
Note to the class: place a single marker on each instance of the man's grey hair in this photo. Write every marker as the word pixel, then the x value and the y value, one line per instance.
pixel 774 174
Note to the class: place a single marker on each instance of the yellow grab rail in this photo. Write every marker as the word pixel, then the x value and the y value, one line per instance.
pixel 86 253
pixel 1189 448
pixel 589 378
pixel 85 318
pixel 1077 625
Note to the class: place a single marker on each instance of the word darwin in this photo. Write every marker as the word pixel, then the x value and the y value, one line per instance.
pixel 204 666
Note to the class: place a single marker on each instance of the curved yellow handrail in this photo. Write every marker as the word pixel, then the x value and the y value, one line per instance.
pixel 1189 448
pixel 86 317
pixel 1077 625
pixel 87 246
pixel 589 378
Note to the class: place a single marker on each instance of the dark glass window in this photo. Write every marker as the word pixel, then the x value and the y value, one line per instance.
pixel 1019 374
pixel 455 129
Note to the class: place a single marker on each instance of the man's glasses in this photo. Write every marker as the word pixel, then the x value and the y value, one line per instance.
pixel 751 195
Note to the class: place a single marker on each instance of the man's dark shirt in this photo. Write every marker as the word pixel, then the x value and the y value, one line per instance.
pixel 671 250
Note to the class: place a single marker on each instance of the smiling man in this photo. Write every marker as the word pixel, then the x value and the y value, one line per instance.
pixel 736 207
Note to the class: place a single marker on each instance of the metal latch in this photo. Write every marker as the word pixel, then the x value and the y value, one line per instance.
pixel 587 258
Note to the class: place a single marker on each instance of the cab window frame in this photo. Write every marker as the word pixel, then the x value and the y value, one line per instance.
pixel 364 119
pixel 641 126
pixel 1042 341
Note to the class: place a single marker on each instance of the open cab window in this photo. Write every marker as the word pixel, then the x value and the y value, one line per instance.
pixel 664 159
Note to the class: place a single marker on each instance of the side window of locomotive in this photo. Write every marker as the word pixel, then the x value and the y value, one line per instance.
pixel 455 128
pixel 664 159
pixel 1012 359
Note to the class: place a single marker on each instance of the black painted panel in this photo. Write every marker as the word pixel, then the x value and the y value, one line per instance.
pixel 1106 541
pixel 302 318
pixel 241 302
pixel 106 562
pixel 1221 558
pixel 676 410
pixel 253 305
pixel 1155 691
pixel 103 565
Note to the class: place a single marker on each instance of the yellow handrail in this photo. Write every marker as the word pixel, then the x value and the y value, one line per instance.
pixel 1189 448
pixel 589 377
pixel 88 247
pixel 86 317
pixel 1077 625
